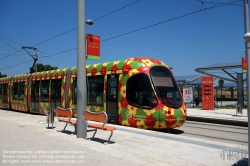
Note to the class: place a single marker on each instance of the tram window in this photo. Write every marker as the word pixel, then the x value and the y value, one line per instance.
pixel 56 89
pixel 166 87
pixel 44 91
pixel 5 89
pixel 1 91
pixel 18 91
pixel 21 90
pixel 15 91
pixel 95 90
pixel 139 92
pixel 74 93
pixel 35 90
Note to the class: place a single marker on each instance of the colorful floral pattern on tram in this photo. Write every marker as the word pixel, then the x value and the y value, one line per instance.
pixel 20 105
pixel 159 117
pixel 5 80
pixel 73 74
pixel 50 75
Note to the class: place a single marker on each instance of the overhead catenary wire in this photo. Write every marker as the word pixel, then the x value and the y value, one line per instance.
pixel 202 4
pixel 223 3
pixel 8 45
pixel 10 40
pixel 70 29
pixel 93 20
pixel 159 23
pixel 197 11
pixel 116 10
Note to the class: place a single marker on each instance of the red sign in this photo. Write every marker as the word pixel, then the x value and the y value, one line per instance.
pixel 244 65
pixel 207 87
pixel 93 47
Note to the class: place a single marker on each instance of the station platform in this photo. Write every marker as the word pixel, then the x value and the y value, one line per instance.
pixel 26 140
pixel 219 116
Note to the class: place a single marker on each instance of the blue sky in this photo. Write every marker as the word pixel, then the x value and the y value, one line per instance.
pixel 201 39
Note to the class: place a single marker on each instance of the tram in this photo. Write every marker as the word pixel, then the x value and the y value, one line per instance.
pixel 136 92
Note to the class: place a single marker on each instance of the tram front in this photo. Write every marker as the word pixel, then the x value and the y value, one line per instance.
pixel 171 107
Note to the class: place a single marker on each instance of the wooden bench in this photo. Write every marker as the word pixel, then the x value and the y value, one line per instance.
pixel 98 117
pixel 65 115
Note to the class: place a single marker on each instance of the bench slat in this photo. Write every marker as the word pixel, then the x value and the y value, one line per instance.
pixel 72 121
pixel 64 115
pixel 98 126
pixel 95 116
pixel 63 112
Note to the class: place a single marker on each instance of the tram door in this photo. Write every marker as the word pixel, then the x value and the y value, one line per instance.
pixel 5 95
pixel 112 99
pixel 35 96
pixel 55 93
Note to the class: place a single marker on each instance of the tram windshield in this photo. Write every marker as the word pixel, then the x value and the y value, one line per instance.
pixel 166 87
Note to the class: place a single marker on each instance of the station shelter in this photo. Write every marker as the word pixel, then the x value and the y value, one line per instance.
pixel 234 81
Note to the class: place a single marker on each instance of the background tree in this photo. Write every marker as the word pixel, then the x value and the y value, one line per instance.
pixel 41 67
pixel 2 75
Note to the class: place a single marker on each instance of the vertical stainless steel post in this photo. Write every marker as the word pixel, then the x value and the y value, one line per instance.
pixel 221 96
pixel 81 70
pixel 248 96
pixel 247 54
pixel 246 22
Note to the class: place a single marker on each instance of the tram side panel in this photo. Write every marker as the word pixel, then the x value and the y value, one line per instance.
pixel 47 90
pixel 96 91
pixel 5 92
pixel 130 94
pixel 19 92
pixel 134 110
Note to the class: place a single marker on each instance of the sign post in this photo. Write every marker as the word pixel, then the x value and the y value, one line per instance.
pixel 221 83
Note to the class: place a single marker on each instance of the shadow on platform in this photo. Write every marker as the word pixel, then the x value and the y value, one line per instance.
pixel 171 131
pixel 242 162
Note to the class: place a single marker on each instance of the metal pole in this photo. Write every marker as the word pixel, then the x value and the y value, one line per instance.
pixel 247 54
pixel 248 96
pixel 240 89
pixel 246 22
pixel 221 96
pixel 81 70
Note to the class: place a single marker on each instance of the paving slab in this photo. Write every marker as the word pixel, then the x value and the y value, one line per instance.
pixel 32 143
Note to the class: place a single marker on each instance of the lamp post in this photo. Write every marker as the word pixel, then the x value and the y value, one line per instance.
pixel 81 69
pixel 247 39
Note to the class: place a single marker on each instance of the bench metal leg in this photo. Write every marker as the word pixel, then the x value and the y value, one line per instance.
pixel 94 133
pixel 105 143
pixel 110 135
pixel 65 126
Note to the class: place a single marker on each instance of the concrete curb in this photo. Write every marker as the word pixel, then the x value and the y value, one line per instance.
pixel 218 121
